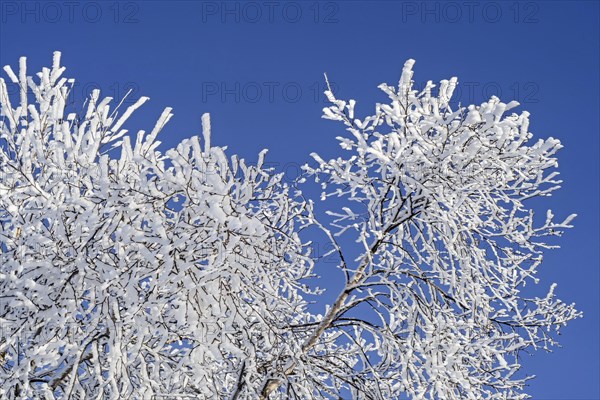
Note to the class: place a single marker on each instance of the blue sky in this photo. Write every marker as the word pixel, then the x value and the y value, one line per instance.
pixel 258 67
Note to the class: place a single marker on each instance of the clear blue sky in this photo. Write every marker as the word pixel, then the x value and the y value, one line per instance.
pixel 257 67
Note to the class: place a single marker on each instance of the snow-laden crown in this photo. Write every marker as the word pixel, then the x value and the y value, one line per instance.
pixel 184 272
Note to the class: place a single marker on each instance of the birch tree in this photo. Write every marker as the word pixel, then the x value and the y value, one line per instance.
pixel 128 272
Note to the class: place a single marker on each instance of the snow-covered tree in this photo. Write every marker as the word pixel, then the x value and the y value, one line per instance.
pixel 144 274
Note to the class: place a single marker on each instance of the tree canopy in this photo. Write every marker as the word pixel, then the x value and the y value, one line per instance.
pixel 189 272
